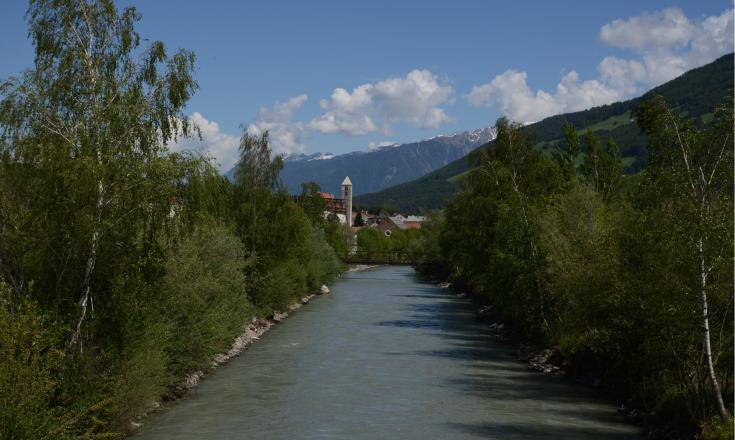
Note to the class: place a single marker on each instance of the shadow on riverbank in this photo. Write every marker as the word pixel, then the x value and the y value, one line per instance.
pixel 555 406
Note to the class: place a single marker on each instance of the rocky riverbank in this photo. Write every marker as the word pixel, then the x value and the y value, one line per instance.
pixel 253 331
pixel 542 359
pixel 357 267
pixel 548 360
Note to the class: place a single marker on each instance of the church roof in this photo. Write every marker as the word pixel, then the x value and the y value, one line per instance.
pixel 347 181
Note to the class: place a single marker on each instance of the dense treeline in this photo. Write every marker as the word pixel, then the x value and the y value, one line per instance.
pixel 372 243
pixel 125 266
pixel 630 277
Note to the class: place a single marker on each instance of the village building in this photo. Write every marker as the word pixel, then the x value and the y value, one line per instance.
pixel 414 221
pixel 386 224
pixel 339 207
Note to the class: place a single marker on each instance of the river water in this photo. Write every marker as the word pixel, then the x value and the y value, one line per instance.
pixel 385 356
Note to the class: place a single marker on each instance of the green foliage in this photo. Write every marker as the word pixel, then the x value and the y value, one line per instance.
pixel 620 274
pixel 312 203
pixel 602 167
pixel 30 363
pixel 568 150
pixel 359 221
pixel 689 189
pixel 373 243
pixel 83 163
pixel 425 251
pixel 123 266
pixel 203 296
pixel 281 238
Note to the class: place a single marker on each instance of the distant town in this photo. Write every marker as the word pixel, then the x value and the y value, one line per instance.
pixel 387 223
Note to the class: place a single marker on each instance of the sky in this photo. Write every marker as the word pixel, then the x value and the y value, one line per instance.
pixel 336 76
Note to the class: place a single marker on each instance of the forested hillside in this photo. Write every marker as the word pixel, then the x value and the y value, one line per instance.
pixel 695 94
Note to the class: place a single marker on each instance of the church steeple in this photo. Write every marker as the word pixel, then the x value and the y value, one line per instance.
pixel 347 197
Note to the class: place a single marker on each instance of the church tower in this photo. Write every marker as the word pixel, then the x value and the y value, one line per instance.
pixel 347 197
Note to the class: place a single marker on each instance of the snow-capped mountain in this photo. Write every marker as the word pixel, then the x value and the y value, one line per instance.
pixel 380 166
pixel 307 157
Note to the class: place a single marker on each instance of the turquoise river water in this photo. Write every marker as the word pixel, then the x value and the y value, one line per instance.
pixel 385 356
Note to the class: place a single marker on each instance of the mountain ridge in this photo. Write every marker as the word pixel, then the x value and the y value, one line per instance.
pixel 380 167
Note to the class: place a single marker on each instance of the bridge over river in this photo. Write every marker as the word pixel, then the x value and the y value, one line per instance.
pixel 391 257
pixel 385 356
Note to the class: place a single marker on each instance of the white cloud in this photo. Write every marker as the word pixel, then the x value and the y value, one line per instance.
pixel 415 99
pixel 666 28
pixel 222 146
pixel 373 146
pixel 510 93
pixel 665 45
pixel 285 136
pixel 347 113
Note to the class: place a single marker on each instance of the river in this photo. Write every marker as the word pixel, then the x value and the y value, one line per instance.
pixel 385 356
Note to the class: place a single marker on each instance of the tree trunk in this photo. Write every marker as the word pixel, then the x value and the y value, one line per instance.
pixel 724 416
pixel 86 288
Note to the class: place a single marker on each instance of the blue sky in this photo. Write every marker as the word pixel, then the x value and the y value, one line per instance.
pixel 341 76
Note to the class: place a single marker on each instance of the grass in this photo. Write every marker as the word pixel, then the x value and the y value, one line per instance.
pixel 609 124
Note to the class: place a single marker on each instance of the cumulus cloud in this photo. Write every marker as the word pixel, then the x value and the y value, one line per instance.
pixel 510 92
pixel 669 27
pixel 665 44
pixel 221 146
pixel 347 113
pixel 414 99
pixel 285 136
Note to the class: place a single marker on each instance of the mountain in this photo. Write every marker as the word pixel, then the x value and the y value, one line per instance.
pixel 381 167
pixel 695 93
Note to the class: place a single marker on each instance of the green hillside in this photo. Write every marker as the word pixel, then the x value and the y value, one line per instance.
pixel 694 93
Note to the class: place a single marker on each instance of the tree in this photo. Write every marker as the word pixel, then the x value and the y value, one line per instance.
pixel 256 168
pixel 602 167
pixel 591 161
pixel 690 169
pixel 567 151
pixel 611 170
pixel 87 127
pixel 312 203
pixel 359 221
pixel 256 177
pixel 518 176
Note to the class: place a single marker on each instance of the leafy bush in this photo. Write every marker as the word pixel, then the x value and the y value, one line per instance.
pixel 204 300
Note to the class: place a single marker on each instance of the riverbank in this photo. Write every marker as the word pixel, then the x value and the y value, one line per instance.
pixel 359 267
pixel 253 331
pixel 549 360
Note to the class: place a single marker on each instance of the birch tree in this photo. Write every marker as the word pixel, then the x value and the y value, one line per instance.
pixel 691 167
pixel 95 113
pixel 521 175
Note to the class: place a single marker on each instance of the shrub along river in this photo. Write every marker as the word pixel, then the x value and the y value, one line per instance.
pixel 385 356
